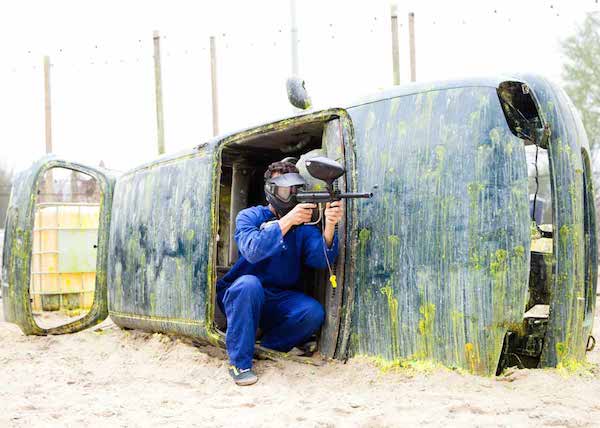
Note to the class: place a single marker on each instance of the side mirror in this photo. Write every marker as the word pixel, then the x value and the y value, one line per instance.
pixel 324 169
pixel 297 94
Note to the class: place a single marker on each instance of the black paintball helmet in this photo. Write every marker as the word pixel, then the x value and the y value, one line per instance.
pixel 280 190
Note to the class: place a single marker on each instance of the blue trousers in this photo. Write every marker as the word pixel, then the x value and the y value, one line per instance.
pixel 287 318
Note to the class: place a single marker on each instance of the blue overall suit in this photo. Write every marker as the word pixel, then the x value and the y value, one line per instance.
pixel 260 289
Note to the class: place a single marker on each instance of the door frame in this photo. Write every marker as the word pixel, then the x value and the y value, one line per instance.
pixel 20 219
pixel 344 293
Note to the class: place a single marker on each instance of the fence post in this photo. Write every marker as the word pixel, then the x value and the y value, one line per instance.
pixel 395 48
pixel 413 58
pixel 213 78
pixel 160 126
pixel 47 104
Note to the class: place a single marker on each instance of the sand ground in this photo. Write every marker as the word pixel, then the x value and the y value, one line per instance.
pixel 106 376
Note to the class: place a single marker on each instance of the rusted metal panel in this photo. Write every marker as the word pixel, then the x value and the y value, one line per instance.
pixel 567 332
pixel 443 253
pixel 161 245
pixel 16 265
pixel 435 266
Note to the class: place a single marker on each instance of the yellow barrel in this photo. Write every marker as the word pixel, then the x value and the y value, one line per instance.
pixel 63 266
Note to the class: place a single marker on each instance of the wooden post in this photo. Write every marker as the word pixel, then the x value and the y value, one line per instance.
pixel 240 184
pixel 395 48
pixel 160 126
pixel 411 35
pixel 213 77
pixel 47 104
pixel 294 36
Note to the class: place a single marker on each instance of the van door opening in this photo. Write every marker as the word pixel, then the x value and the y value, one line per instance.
pixel 523 345
pixel 242 161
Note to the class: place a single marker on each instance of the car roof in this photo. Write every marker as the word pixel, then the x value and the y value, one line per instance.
pixel 388 93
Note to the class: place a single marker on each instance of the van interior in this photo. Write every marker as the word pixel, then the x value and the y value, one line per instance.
pixel 524 348
pixel 528 348
pixel 243 163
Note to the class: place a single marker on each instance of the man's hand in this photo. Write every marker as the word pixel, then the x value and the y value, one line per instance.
pixel 334 212
pixel 300 214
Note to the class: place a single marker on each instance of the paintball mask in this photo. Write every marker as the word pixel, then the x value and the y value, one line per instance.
pixel 280 191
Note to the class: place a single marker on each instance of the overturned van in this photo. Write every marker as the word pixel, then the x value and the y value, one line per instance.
pixel 477 250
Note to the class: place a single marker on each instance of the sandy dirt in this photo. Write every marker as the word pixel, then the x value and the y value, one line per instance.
pixel 111 377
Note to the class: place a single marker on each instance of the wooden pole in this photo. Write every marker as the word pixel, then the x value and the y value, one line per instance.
pixel 213 77
pixel 160 126
pixel 413 58
pixel 240 184
pixel 48 186
pixel 47 104
pixel 395 48
pixel 294 40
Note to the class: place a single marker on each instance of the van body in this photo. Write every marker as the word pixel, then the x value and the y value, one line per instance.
pixel 474 251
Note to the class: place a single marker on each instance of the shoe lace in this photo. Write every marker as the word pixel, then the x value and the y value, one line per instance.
pixel 237 371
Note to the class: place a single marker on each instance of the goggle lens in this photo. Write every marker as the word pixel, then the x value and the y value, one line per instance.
pixel 285 193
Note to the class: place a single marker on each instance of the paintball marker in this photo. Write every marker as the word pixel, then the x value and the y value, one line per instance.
pixel 327 170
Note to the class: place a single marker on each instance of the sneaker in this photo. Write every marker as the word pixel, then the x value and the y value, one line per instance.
pixel 242 377
pixel 309 347
pixel 305 350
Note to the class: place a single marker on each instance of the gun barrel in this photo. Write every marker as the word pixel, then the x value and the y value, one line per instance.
pixel 313 197
pixel 355 195
pixel 316 197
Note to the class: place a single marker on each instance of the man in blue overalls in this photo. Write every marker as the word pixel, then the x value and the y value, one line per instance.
pixel 260 290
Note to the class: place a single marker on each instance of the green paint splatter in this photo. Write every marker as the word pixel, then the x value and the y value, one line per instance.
pixel 363 236
pixel 564 232
pixel 401 129
pixel 495 135
pixel 189 234
pixel 153 304
pixel 392 302
pixel 474 118
pixel 425 327
pixel 519 251
pixel 498 265
pixel 393 240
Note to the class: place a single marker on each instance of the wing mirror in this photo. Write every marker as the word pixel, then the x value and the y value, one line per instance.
pixel 297 94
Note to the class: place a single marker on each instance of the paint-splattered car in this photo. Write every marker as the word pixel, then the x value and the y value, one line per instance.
pixel 477 251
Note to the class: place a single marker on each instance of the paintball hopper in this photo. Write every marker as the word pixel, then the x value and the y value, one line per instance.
pixel 297 94
pixel 325 169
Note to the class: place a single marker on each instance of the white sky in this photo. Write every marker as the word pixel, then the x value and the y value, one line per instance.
pixel 102 78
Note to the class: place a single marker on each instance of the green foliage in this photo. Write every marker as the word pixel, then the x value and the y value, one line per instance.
pixel 581 73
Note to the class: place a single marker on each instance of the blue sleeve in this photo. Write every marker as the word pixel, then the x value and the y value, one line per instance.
pixel 254 243
pixel 314 248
